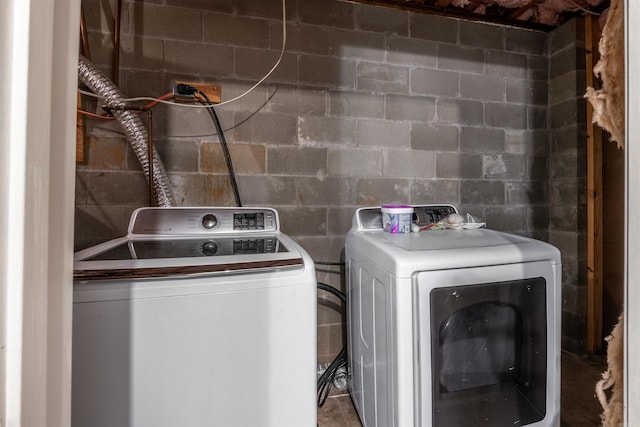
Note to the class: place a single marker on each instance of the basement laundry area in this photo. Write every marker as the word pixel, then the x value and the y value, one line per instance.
pixel 296 213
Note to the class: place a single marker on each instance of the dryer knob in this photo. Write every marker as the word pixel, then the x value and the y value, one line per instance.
pixel 209 221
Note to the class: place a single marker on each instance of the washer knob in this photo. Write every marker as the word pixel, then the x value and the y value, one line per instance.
pixel 209 248
pixel 209 221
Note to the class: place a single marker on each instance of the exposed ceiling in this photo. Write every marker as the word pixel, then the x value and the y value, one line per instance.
pixel 537 14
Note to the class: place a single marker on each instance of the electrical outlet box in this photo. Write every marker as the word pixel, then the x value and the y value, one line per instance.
pixel 182 92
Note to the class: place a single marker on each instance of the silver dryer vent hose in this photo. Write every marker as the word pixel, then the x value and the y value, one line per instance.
pixel 133 127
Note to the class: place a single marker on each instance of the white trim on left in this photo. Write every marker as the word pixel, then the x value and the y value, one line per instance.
pixel 38 63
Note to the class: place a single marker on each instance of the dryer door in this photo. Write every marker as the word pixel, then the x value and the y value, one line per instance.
pixel 488 343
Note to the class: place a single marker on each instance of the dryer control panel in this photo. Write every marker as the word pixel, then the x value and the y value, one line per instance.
pixel 204 220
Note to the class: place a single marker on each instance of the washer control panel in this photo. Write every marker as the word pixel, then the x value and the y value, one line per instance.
pixel 198 221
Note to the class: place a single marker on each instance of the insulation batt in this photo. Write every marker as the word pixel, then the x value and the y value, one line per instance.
pixel 608 101
pixel 546 11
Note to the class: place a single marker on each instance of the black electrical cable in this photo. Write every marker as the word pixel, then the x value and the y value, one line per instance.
pixel 225 147
pixel 325 382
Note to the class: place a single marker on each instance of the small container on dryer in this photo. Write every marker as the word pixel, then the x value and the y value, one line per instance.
pixel 397 218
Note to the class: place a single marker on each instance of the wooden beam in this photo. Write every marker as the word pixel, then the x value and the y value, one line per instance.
pixel 594 200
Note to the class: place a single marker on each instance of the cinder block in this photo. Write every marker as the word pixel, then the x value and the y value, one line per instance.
pixel 453 165
pixel 294 101
pixel 117 188
pixel 198 58
pixel 566 35
pixel 482 140
pixel 188 122
pixel 563 166
pixel 297 161
pixel 178 155
pixel 383 134
pixel 231 30
pixel 218 191
pixel 301 38
pixel 407 51
pixel 379 191
pixel 505 166
pixel 482 35
pixel 141 53
pixel 325 191
pixel 303 221
pixel 435 191
pixel 410 108
pixel 106 153
pixel 564 218
pixel 326 71
pixel 521 91
pixel 537 117
pixel 460 58
pixel 267 190
pixel 538 68
pixel 568 113
pixel 352 104
pixel 330 14
pixel 274 128
pixel 188 189
pixel 377 77
pixel 262 8
pixel 246 158
pixel 461 112
pixel 507 218
pixel 482 87
pixel 339 219
pixel 527 193
pixel 409 164
pixel 533 143
pixel 359 162
pixel 566 140
pixel 567 61
pixel 254 64
pixel 505 64
pixel 566 87
pixel 176 23
pixel 433 27
pixel 425 81
pixel 356 45
pixel 526 41
pixel 225 6
pixel 483 192
pixel 382 20
pixel 511 116
pixel 538 168
pixel 434 137
pixel 313 130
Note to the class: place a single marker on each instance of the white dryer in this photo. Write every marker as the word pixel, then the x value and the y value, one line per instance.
pixel 452 328
pixel 198 317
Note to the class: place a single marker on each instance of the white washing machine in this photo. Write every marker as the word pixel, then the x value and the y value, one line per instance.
pixel 452 328
pixel 198 317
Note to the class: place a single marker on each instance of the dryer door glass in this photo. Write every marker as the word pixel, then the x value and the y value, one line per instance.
pixel 488 353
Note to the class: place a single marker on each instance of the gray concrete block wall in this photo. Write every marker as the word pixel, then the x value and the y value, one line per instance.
pixel 567 175
pixel 369 106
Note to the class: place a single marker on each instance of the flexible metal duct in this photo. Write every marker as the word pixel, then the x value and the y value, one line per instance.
pixel 133 127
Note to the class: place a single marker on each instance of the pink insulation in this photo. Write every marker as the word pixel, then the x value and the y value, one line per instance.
pixel 543 11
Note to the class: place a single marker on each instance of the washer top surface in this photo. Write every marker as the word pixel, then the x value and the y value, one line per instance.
pixel 175 242
pixel 405 254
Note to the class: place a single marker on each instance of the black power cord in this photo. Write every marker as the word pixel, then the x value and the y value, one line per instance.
pixel 325 382
pixel 190 90
pixel 225 147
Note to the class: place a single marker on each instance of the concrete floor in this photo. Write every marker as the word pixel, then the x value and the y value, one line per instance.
pixel 579 405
